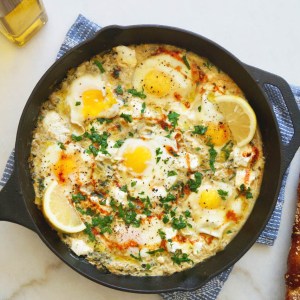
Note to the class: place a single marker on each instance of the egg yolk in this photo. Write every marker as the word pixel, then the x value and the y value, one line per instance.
pixel 219 134
pixel 137 158
pixel 94 102
pixel 210 199
pixel 64 167
pixel 157 83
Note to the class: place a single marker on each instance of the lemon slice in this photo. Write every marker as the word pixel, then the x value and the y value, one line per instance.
pixel 239 116
pixel 58 210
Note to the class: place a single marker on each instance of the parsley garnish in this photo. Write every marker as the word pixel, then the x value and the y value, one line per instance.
pixel 156 251
pixel 99 139
pixel 99 65
pixel 124 188
pixel 130 134
pixel 61 146
pixel 179 258
pixel 104 120
pixel 184 58
pixel 227 149
pixel 246 192
pixel 139 258
pixel 223 194
pixel 179 223
pixel 200 129
pixel 135 93
pixel 168 198
pixel 41 184
pixel 161 234
pixel 104 223
pixel 76 138
pixel 133 183
pixel 173 118
pixel 171 173
pixel 119 90
pixel 143 108
pixel 158 152
pixel 118 143
pixel 187 214
pixel 199 108
pixel 77 103
pixel 78 197
pixel 212 157
pixel 208 65
pixel 165 219
pixel 88 231
pixel 195 183
pixel 127 118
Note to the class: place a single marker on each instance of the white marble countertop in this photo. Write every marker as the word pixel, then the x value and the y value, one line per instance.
pixel 264 34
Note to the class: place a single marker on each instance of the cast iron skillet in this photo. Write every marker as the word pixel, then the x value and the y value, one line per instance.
pixel 17 197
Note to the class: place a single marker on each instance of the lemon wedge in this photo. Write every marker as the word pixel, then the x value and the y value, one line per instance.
pixel 239 116
pixel 58 210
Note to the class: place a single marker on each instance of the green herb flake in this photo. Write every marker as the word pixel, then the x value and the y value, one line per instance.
pixel 156 251
pixel 173 118
pixel 104 120
pixel 124 188
pixel 41 185
pixel 127 118
pixel 208 65
pixel 133 183
pixel 143 108
pixel 194 184
pixel 130 134
pixel 139 258
pixel 187 214
pixel 88 231
pixel 119 90
pixel 77 103
pixel 223 194
pixel 165 219
pixel 135 93
pixel 179 223
pixel 212 157
pixel 61 145
pixel 168 198
pixel 78 197
pixel 179 258
pixel 184 58
pixel 245 192
pixel 199 108
pixel 172 173
pixel 104 223
pixel 158 153
pixel 99 65
pixel 118 143
pixel 162 234
pixel 199 129
pixel 227 149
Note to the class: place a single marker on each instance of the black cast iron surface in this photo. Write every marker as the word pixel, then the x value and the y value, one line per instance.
pixel 17 197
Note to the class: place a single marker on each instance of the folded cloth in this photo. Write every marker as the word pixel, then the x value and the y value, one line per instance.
pixel 83 29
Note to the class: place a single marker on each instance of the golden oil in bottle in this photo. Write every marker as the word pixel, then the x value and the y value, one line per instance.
pixel 21 19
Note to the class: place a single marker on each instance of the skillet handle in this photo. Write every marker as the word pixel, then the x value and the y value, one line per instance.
pixel 263 77
pixel 12 207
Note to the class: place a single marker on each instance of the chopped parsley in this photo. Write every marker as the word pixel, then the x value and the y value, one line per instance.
pixel 135 93
pixel 194 184
pixel 227 149
pixel 119 90
pixel 133 183
pixel 162 234
pixel 172 173
pixel 146 266
pixel 245 192
pixel 77 103
pixel 124 188
pixel 143 108
pixel 99 65
pixel 173 118
pixel 118 143
pixel 127 118
pixel 184 58
pixel 76 138
pixel 165 219
pixel 104 120
pixel 41 184
pixel 78 197
pixel 156 251
pixel 139 258
pixel 100 140
pixel 130 134
pixel 208 65
pixel 200 129
pixel 187 214
pixel 180 257
pixel 104 223
pixel 223 194
pixel 61 146
pixel 212 157
pixel 199 108
pixel 168 198
pixel 88 231
pixel 179 223
pixel 128 214
pixel 158 152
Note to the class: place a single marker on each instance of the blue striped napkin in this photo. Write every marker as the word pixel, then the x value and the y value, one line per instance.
pixel 83 29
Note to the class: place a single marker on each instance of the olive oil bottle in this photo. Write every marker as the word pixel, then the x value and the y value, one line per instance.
pixel 21 19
